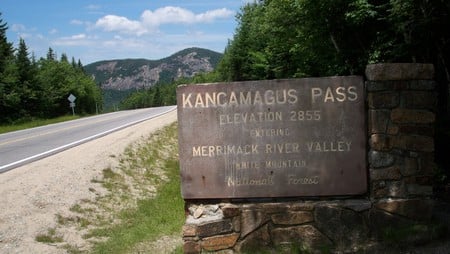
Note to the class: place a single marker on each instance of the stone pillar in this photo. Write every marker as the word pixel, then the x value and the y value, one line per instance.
pixel 401 102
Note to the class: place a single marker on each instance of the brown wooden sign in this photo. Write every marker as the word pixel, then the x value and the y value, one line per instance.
pixel 274 138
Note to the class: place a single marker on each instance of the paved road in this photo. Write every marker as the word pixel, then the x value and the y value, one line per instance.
pixel 22 147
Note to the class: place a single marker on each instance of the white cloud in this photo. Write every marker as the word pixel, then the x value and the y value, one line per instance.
pixel 177 15
pixel 78 36
pixel 151 20
pixel 93 7
pixel 74 40
pixel 53 31
pixel 18 27
pixel 210 16
pixel 167 15
pixel 76 22
pixel 113 23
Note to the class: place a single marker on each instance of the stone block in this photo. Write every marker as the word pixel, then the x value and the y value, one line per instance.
pixel 416 129
pixel 306 235
pixel 357 205
pixel 416 209
pixel 399 71
pixel 381 142
pixel 214 228
pixel 230 210
pixel 392 129
pixel 418 99
pixel 410 167
pixel 383 100
pixel 251 220
pixel 191 247
pixel 378 121
pixel 377 86
pixel 405 116
pixel 343 227
pixel 390 173
pixel 302 206
pixel 383 189
pixel 189 230
pixel 258 241
pixel 422 85
pixel 379 193
pixel 220 242
pixel 381 222
pixel 414 143
pixel 380 159
pixel 274 207
pixel 387 85
pixel 236 223
pixel 292 218
pixel 396 189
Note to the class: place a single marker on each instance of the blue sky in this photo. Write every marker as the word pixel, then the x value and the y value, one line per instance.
pixel 115 29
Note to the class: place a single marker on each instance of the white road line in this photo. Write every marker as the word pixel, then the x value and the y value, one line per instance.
pixel 15 164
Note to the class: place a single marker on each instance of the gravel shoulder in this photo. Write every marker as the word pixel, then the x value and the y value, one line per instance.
pixel 33 194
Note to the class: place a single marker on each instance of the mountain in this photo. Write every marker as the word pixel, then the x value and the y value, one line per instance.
pixel 142 73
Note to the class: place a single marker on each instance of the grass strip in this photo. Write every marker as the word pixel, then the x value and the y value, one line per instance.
pixel 162 214
pixel 27 124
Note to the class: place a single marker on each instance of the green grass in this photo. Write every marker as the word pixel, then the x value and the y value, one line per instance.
pixel 50 237
pixel 143 202
pixel 153 217
pixel 31 123
pixel 161 215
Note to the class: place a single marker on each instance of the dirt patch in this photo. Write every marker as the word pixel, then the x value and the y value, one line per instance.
pixel 33 195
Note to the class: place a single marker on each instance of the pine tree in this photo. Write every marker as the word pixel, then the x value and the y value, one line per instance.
pixel 6 48
pixel 23 62
pixel 51 55
pixel 80 66
pixel 64 58
pixel 73 63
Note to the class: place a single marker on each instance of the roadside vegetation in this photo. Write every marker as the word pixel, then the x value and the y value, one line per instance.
pixel 38 88
pixel 31 123
pixel 138 208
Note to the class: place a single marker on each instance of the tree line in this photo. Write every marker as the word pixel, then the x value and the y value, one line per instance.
pixel 303 38
pixel 31 88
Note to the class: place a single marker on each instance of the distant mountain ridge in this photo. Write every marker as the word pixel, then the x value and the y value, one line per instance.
pixel 125 74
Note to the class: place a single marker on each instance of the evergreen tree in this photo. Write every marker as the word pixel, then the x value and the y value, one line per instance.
pixel 64 58
pixel 23 62
pixel 73 63
pixel 6 48
pixel 80 66
pixel 51 55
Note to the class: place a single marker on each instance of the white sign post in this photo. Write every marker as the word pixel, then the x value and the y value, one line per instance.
pixel 72 99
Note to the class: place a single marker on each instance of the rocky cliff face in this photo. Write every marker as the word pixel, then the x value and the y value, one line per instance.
pixel 141 73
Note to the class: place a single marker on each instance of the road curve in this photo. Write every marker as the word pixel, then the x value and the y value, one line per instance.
pixel 22 147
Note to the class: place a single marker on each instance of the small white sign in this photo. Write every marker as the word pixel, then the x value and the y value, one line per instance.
pixel 71 98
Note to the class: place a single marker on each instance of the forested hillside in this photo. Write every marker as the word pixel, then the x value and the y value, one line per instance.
pixel 141 79
pixel 124 74
pixel 31 88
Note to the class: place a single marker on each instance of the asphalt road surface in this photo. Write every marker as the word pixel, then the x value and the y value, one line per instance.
pixel 22 147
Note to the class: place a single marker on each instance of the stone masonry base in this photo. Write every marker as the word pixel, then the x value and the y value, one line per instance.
pixel 340 225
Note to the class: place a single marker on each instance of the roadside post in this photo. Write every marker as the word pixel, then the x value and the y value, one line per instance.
pixel 72 99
